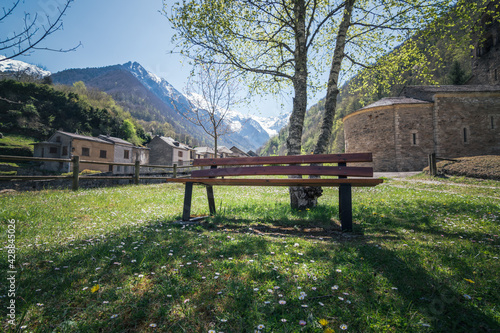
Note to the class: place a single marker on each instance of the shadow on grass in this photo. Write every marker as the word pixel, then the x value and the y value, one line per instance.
pixel 447 310
pixel 424 216
pixel 181 279
pixel 145 275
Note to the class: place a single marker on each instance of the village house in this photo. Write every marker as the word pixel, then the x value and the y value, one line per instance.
pixel 66 145
pixel 225 152
pixel 126 152
pixel 167 151
pixel 238 152
pixel 204 152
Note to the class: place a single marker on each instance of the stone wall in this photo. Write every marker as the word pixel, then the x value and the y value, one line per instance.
pixel 398 136
pixel 467 124
pixel 486 47
pixel 372 131
pixel 414 136
pixel 66 184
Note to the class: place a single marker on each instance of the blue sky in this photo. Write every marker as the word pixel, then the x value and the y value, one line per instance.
pixel 114 32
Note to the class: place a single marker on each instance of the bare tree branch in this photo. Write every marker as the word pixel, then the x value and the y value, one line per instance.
pixel 32 35
pixel 213 90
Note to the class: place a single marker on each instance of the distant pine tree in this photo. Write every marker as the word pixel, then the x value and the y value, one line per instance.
pixel 456 75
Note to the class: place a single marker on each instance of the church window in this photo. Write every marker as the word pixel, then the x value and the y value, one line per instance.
pixel 466 135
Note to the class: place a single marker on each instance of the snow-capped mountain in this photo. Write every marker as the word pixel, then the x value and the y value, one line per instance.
pixel 159 86
pixel 16 66
pixel 272 125
pixel 250 132
pixel 143 87
pixel 251 127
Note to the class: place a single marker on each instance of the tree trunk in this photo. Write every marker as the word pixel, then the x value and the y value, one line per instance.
pixel 300 197
pixel 216 139
pixel 332 88
pixel 307 197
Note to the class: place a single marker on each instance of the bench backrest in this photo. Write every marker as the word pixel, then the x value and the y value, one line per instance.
pixel 273 165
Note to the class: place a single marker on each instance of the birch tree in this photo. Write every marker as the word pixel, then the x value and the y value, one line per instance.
pixel 213 92
pixel 278 44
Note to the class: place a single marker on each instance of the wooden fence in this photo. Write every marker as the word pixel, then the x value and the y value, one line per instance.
pixel 433 163
pixel 75 175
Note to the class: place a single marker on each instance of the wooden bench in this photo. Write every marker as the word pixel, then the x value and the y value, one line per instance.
pixel 233 168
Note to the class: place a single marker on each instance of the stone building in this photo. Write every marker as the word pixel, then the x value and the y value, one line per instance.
pixel 126 152
pixel 167 151
pixel 224 152
pixel 65 145
pixel 204 152
pixel 452 121
pixel 238 152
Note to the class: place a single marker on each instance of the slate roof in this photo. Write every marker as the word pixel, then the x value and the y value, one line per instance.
pixel 81 137
pixel 203 150
pixel 173 143
pixel 238 151
pixel 393 101
pixel 114 140
pixel 224 149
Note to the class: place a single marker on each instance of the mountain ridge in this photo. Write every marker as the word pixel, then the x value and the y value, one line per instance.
pixel 167 103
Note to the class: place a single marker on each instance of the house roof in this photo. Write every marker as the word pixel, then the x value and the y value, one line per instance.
pixel 81 137
pixel 224 149
pixel 387 101
pixel 204 150
pixel 115 140
pixel 173 143
pixel 238 151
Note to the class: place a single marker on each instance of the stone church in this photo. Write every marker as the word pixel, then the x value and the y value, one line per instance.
pixel 451 121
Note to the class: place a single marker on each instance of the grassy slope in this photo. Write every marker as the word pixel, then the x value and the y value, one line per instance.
pixel 422 258
pixel 16 145
pixel 485 167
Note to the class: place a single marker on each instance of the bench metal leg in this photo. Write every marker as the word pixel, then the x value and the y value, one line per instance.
pixel 188 194
pixel 345 207
pixel 211 201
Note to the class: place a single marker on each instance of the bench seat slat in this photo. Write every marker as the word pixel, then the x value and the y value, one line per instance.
pixel 278 182
pixel 285 170
pixel 292 159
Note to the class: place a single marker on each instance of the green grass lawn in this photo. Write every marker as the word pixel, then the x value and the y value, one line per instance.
pixel 422 258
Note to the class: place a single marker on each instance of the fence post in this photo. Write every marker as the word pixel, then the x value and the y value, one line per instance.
pixel 76 171
pixel 432 164
pixel 175 171
pixel 137 172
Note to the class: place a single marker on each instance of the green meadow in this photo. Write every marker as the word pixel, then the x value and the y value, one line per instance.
pixel 423 257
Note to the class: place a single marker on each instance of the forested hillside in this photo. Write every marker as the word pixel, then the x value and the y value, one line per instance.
pixel 122 83
pixel 37 110
pixel 445 57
